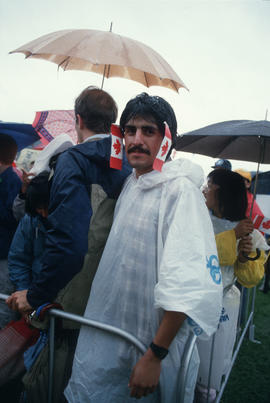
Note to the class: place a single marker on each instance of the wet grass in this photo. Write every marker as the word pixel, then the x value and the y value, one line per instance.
pixel 250 377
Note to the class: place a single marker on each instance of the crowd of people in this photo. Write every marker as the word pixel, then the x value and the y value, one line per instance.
pixel 135 244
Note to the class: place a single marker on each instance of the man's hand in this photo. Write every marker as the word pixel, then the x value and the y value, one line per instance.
pixel 244 246
pixel 18 302
pixel 145 375
pixel 243 228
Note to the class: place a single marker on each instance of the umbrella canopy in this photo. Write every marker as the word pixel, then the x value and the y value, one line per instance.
pixel 104 53
pixel 24 134
pixel 50 124
pixel 246 140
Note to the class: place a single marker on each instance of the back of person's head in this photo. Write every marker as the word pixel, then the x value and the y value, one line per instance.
pixel 38 193
pixel 8 149
pixel 231 193
pixel 152 108
pixel 97 109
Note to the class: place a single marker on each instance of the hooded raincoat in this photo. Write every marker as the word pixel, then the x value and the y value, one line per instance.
pixel 160 255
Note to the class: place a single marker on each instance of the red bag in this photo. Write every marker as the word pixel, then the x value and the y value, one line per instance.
pixel 15 338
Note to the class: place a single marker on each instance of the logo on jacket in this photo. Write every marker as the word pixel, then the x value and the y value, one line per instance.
pixel 213 265
pixel 197 330
pixel 224 316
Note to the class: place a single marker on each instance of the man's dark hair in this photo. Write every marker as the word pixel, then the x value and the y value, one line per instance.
pixel 232 195
pixel 8 149
pixel 151 107
pixel 38 193
pixel 97 109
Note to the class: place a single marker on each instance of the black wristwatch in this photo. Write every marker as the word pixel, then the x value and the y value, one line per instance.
pixel 160 352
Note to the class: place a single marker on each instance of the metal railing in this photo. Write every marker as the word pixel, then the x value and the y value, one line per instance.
pixel 55 313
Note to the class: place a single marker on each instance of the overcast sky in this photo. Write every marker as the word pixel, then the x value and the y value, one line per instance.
pixel 220 49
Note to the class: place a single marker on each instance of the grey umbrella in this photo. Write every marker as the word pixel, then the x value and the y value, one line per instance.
pixel 247 140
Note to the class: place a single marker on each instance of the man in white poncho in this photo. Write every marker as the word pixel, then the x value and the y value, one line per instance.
pixel 159 276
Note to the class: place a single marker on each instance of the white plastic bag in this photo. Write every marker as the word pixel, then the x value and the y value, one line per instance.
pixel 224 340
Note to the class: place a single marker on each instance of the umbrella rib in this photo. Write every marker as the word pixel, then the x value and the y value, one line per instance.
pixel 175 86
pixel 64 61
pixel 146 79
pixel 229 141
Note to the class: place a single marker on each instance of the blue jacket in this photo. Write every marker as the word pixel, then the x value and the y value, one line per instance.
pixel 26 250
pixel 70 211
pixel 10 185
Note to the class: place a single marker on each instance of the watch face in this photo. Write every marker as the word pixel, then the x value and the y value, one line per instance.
pixel 160 352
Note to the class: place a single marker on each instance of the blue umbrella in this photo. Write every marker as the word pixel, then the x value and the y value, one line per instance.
pixel 24 134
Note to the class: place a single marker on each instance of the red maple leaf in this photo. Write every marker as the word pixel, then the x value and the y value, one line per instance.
pixel 117 147
pixel 164 149
pixel 266 224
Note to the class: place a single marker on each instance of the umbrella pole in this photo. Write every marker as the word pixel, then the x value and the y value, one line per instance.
pixel 104 71
pixel 251 325
pixel 257 173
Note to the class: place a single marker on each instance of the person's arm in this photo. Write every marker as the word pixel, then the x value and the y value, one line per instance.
pixel 226 247
pixel 145 375
pixel 20 257
pixel 9 190
pixel 18 206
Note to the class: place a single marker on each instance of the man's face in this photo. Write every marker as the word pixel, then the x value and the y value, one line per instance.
pixel 142 142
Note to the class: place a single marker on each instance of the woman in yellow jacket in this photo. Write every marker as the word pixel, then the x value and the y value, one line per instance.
pixel 226 200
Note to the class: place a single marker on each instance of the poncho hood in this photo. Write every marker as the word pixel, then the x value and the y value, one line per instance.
pixel 180 168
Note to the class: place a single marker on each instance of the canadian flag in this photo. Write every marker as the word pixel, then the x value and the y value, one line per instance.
pixel 262 224
pixel 117 147
pixel 163 150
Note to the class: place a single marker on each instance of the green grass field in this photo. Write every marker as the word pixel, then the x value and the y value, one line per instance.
pixel 249 381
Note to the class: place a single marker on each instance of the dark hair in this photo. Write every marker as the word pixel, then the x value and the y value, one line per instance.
pixel 38 193
pixel 8 149
pixel 97 109
pixel 232 195
pixel 154 107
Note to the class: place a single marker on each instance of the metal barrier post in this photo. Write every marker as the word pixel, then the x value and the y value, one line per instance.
pixel 252 326
pixel 189 347
pixel 51 358
pixel 210 366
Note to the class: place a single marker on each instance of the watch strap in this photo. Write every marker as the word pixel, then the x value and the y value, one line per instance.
pixel 160 352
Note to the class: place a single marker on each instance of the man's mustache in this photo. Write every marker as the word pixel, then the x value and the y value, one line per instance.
pixel 138 149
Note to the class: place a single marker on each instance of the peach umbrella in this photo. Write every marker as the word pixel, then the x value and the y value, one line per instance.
pixel 104 53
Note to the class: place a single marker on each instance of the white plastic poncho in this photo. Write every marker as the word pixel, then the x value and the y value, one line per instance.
pixel 160 254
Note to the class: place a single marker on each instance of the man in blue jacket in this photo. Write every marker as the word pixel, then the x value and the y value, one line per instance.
pixel 10 185
pixel 78 171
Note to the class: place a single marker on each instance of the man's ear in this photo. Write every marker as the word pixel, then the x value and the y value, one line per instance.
pixel 80 121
